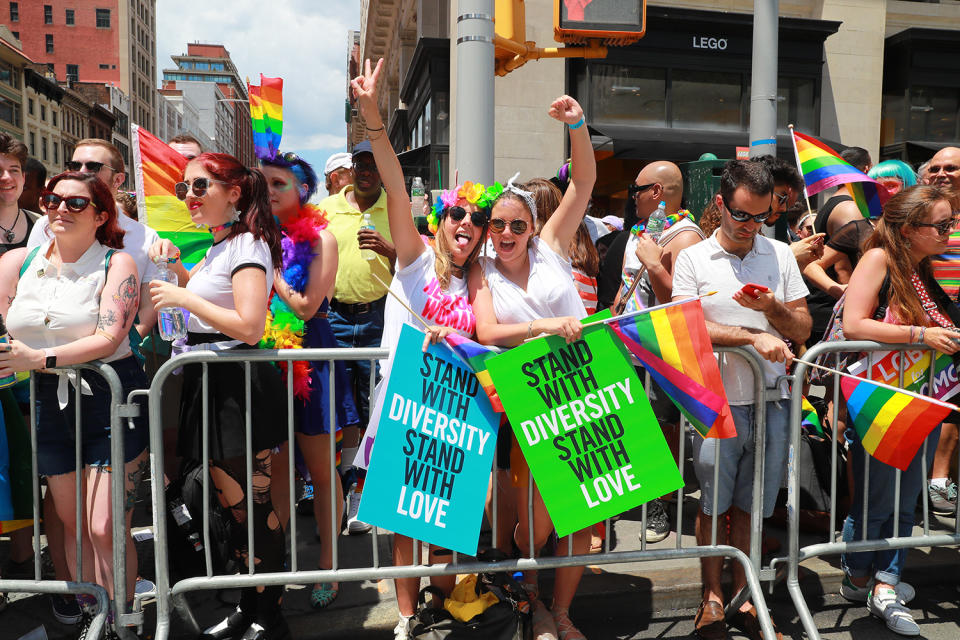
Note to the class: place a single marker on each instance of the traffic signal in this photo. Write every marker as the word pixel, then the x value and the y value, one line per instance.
pixel 615 22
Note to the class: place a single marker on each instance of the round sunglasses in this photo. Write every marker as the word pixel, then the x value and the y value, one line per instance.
pixel 478 218
pixel 517 227
pixel 199 187
pixel 75 204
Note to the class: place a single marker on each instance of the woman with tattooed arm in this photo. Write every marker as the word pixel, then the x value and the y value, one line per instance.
pixel 73 300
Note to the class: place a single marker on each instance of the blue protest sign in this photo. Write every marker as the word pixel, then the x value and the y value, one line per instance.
pixel 431 460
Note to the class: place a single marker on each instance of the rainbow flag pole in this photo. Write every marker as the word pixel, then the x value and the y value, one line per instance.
pixel 806 195
pixel 638 312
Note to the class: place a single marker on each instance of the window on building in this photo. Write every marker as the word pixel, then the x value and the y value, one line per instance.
pixel 103 18
pixel 104 66
pixel 14 12
pixel 56 153
pixel 70 21
pixel 16 34
pixel 706 100
pixel 43 113
pixel 48 14
pixel 933 113
pixel 50 68
pixel 30 106
pixel 623 93
pixel 33 144
pixel 73 72
pixel 49 39
pixel 43 149
pixel 53 119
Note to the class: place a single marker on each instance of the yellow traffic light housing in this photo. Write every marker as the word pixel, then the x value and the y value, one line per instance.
pixel 614 22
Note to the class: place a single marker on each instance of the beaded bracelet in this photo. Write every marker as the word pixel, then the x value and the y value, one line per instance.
pixel 912 328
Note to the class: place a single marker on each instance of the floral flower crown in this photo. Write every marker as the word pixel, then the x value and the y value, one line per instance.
pixel 461 195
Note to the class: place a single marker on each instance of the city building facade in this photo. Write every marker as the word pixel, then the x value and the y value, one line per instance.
pixel 116 102
pixel 42 117
pixel 179 115
pixel 12 63
pixel 217 119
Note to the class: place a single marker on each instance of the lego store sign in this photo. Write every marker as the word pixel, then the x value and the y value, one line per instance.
pixel 709 42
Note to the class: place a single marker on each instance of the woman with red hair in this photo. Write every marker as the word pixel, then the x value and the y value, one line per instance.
pixel 225 295
pixel 69 301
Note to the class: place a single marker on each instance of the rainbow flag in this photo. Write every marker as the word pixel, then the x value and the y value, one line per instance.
pixel 891 424
pixel 810 420
pixel 266 115
pixel 157 168
pixel 671 342
pixel 475 355
pixel 946 266
pixel 823 168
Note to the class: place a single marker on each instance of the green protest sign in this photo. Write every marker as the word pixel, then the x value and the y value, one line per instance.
pixel 585 426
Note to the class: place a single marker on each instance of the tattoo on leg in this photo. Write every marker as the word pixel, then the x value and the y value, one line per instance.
pixel 127 298
pixel 134 478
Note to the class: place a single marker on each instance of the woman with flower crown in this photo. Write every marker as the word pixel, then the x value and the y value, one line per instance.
pixel 528 290
pixel 429 280
pixel 297 318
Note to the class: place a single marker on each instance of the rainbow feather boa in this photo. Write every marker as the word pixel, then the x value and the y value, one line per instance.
pixel 284 330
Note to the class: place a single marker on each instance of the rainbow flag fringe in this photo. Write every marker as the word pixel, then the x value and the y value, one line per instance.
pixel 157 168
pixel 266 115
pixel 475 356
pixel 891 425
pixel 672 344
pixel 823 168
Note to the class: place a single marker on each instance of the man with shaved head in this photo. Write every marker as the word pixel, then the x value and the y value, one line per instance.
pixel 943 170
pixel 633 256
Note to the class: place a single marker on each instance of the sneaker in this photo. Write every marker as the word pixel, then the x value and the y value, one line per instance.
pixel 305 500
pixel 402 630
pixel 658 524
pixel 353 505
pixel 853 593
pixel 883 604
pixel 65 610
pixel 943 500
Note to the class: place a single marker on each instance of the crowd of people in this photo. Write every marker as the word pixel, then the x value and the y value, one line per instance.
pixel 507 263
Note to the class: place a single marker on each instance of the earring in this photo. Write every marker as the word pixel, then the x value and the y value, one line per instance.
pixel 906 242
pixel 235 215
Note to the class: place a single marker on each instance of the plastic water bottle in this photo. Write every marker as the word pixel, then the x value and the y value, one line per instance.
pixel 368 254
pixel 170 320
pixel 11 379
pixel 657 221
pixel 416 197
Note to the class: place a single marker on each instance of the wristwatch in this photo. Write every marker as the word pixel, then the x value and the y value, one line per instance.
pixel 51 361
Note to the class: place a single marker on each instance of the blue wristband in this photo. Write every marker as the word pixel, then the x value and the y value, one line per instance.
pixel 577 125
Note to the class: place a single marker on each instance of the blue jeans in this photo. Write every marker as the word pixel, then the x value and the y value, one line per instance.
pixel 359 330
pixel 885 564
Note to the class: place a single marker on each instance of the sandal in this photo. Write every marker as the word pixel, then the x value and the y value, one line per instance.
pixel 323 594
pixel 565 628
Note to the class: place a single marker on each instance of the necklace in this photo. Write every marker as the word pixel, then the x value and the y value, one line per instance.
pixel 9 233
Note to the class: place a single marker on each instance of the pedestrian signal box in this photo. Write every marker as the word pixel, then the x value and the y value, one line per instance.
pixel 615 22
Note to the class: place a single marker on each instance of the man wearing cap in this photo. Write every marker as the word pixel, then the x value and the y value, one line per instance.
pixel 338 172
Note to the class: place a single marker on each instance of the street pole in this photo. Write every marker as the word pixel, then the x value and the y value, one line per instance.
pixel 475 74
pixel 763 96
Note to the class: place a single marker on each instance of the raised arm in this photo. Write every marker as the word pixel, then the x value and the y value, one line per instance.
pixel 560 229
pixel 406 238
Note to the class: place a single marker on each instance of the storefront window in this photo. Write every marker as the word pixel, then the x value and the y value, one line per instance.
pixel 893 126
pixel 706 100
pixel 622 94
pixel 933 114
pixel 796 104
pixel 441 117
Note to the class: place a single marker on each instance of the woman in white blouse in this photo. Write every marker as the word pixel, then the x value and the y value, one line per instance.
pixel 69 301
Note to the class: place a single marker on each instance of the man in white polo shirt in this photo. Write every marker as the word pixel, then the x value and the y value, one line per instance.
pixel 736 255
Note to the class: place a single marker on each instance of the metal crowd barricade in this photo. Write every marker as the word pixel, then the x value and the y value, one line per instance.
pixel 118 411
pixel 833 546
pixel 173 596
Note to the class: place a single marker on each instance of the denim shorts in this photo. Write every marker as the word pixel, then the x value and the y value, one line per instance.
pixel 56 430
pixel 736 461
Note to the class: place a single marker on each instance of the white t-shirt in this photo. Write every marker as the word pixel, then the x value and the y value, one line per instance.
pixel 51 310
pixel 706 267
pixel 550 293
pixel 213 279
pixel 137 240
pixel 417 285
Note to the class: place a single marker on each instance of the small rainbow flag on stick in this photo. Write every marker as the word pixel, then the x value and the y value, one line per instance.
pixel 891 423
pixel 823 168
pixel 810 420
pixel 671 342
pixel 266 115
pixel 157 168
pixel 475 355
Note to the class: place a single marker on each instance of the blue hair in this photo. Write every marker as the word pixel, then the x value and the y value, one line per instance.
pixel 894 169
pixel 301 169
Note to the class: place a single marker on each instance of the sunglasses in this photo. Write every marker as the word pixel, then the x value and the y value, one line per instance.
pixel 92 167
pixel 75 204
pixel 517 227
pixel 478 218
pixel 743 216
pixel 782 197
pixel 199 187
pixel 369 167
pixel 634 189
pixel 943 228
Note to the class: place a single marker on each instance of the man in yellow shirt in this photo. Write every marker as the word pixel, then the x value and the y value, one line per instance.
pixel 356 311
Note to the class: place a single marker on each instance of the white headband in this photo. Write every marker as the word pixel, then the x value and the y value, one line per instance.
pixel 526 195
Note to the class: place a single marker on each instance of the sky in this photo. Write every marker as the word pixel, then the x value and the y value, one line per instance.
pixel 302 41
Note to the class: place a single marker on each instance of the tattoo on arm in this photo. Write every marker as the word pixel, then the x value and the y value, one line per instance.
pixel 127 298
pixel 106 320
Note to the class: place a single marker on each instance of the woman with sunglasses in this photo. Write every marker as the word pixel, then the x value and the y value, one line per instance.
pixel 302 288
pixel 226 297
pixel 430 280
pixel 69 301
pixel 528 290
pixel 893 297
